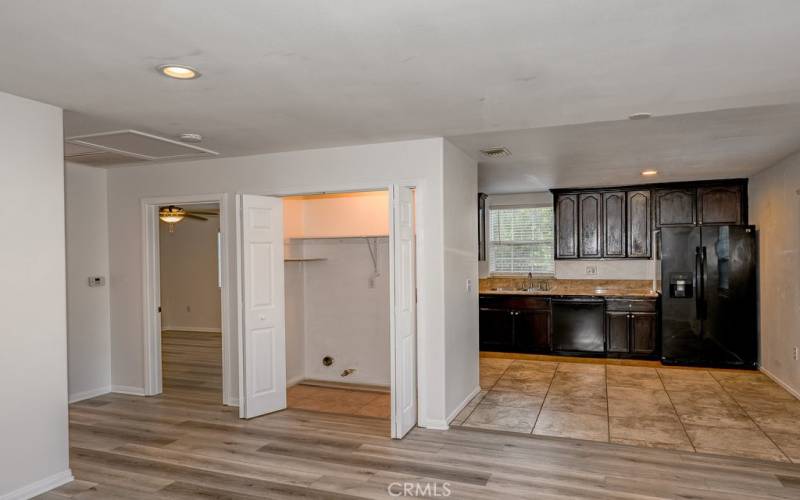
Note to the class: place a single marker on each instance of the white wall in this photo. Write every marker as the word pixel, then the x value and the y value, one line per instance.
pixel 88 321
pixel 330 169
pixel 620 269
pixel 775 210
pixel 190 297
pixel 33 358
pixel 460 267
pixel 344 317
pixel 294 300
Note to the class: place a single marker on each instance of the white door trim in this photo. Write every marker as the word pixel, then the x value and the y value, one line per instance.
pixel 151 293
pixel 420 192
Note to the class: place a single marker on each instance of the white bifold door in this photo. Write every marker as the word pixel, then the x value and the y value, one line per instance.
pixel 404 331
pixel 262 329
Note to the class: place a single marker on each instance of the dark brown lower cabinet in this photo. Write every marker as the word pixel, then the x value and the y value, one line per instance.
pixel 617 336
pixel 524 324
pixel 515 324
pixel 631 328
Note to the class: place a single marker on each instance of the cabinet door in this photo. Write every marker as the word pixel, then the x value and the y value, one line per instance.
pixel 719 205
pixel 617 339
pixel 639 225
pixel 614 222
pixel 643 333
pixel 566 219
pixel 532 330
pixel 590 227
pixel 496 329
pixel 675 207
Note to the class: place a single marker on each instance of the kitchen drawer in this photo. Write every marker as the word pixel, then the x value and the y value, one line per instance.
pixel 631 305
pixel 515 302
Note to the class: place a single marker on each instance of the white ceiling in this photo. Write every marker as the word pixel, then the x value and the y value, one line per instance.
pixel 710 145
pixel 287 75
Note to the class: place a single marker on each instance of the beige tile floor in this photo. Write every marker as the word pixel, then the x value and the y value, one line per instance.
pixel 342 401
pixel 725 412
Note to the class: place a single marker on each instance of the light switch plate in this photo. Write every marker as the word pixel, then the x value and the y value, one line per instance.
pixel 97 281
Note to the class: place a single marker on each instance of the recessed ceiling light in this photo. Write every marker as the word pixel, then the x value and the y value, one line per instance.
pixel 500 152
pixel 178 71
pixel 649 172
pixel 640 116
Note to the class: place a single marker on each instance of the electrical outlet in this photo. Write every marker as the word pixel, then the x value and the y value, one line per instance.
pixel 591 270
pixel 796 354
pixel 469 286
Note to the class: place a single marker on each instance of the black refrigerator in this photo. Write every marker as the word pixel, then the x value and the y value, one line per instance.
pixel 709 302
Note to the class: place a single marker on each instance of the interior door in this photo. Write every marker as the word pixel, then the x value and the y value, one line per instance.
pixel 262 335
pixel 404 334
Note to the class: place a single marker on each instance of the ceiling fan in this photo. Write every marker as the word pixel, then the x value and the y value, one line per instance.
pixel 172 215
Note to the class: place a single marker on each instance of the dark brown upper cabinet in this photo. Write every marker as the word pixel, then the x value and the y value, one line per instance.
pixel 618 222
pixel 675 207
pixel 566 220
pixel 590 229
pixel 640 228
pixel 614 224
pixel 719 205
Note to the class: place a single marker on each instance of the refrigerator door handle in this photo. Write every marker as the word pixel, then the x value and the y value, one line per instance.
pixel 698 272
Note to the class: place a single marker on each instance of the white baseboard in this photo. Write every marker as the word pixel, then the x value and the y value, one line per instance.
pixel 231 402
pixel 190 329
pixel 39 487
pixel 294 381
pixel 124 389
pixel 791 390
pixel 80 396
pixel 463 404
pixel 438 425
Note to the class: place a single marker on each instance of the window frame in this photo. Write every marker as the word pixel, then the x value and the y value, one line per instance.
pixel 490 244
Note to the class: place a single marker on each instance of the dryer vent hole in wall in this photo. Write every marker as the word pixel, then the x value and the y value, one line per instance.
pixel 327 361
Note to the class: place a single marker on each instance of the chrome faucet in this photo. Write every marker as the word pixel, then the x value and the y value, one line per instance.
pixel 530 281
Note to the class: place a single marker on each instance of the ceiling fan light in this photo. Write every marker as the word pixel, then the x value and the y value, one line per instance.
pixel 171 215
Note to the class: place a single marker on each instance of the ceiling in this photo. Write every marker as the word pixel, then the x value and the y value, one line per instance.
pixel 694 146
pixel 280 76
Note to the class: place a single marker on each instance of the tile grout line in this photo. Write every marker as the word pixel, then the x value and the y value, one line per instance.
pixel 751 418
pixel 487 391
pixel 675 409
pixel 608 405
pixel 541 408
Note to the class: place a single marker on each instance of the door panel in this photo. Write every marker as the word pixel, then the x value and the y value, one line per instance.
pixel 404 341
pixel 532 330
pixel 639 225
pixel 675 207
pixel 643 333
pixel 617 332
pixel 589 229
pixel 262 339
pixel 614 222
pixel 719 205
pixel 496 329
pixel 680 325
pixel 730 294
pixel 566 226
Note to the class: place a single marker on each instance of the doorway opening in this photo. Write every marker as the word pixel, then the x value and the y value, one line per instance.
pixel 336 254
pixel 328 306
pixel 188 342
pixel 191 301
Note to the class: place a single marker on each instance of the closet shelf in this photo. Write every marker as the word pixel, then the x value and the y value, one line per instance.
pixel 338 237
pixel 305 260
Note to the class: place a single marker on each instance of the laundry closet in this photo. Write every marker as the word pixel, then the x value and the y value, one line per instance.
pixel 336 274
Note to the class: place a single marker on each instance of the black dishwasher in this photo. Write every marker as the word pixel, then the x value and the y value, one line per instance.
pixel 578 325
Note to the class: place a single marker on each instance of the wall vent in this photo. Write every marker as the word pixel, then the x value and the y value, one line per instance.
pixel 133 145
pixel 495 153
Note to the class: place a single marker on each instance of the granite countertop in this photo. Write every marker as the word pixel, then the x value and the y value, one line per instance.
pixel 570 288
pixel 576 292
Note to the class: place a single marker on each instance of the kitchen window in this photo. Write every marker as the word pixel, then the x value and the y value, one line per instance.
pixel 521 240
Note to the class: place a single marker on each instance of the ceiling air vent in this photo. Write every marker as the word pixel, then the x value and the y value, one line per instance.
pixel 495 153
pixel 135 145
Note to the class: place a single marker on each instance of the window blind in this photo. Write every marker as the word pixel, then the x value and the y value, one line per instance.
pixel 521 240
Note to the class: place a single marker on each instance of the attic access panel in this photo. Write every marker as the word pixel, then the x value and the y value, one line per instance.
pixel 135 144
